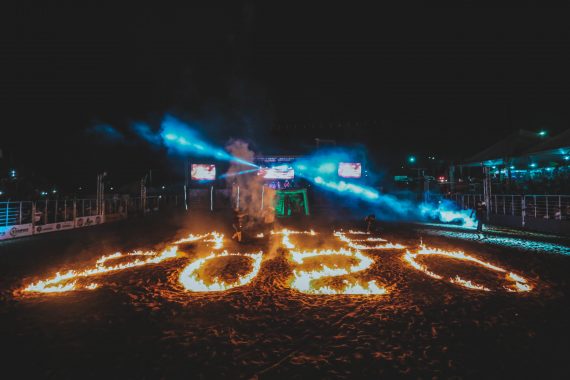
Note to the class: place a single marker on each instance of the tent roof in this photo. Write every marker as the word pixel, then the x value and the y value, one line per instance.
pixel 513 145
pixel 556 143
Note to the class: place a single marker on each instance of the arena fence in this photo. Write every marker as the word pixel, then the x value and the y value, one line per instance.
pixel 545 213
pixel 531 206
pixel 25 218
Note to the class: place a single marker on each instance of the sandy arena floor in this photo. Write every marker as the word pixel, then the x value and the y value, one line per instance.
pixel 142 322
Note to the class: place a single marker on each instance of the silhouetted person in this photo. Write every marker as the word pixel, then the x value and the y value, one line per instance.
pixel 238 225
pixel 480 213
pixel 370 221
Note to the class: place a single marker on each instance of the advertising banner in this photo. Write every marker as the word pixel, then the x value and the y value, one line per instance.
pixel 15 231
pixel 51 227
pixel 86 221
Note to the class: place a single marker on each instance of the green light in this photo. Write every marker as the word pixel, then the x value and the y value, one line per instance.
pixel 512 167
pixel 533 165
pixel 542 133
pixel 412 159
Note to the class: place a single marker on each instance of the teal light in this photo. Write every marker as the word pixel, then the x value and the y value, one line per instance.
pixel 533 165
pixel 566 158
pixel 512 167
pixel 542 133
pixel 412 159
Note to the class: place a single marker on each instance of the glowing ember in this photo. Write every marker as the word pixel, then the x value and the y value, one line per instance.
pixel 210 237
pixel 353 232
pixel 352 242
pixel 286 241
pixel 191 238
pixel 468 284
pixel 520 283
pixel 303 281
pixel 190 280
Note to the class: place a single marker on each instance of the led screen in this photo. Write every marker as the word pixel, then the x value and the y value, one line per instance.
pixel 203 172
pixel 277 172
pixel 349 169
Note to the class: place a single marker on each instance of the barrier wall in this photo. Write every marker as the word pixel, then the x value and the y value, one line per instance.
pixel 15 231
pixel 25 218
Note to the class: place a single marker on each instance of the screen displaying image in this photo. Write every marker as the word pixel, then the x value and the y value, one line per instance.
pixel 350 170
pixel 277 172
pixel 201 172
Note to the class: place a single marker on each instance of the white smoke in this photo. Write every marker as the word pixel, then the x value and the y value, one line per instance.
pixel 254 198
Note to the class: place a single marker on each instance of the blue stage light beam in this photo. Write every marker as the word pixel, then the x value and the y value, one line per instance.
pixel 225 175
pixel 180 137
pixel 346 188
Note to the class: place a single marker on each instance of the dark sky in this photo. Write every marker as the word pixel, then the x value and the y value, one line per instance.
pixel 424 80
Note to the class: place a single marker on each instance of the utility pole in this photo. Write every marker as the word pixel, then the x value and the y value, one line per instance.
pixel 487 190
pixel 143 193
pixel 100 194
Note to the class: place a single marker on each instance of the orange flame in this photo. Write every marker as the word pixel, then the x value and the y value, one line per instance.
pixel 303 280
pixel 59 282
pixel 191 281
pixel 520 283
pixel 352 242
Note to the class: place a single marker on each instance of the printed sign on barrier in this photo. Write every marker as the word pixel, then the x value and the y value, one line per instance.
pixel 51 227
pixel 86 221
pixel 15 231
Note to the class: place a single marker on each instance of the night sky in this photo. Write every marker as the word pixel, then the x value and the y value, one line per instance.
pixel 444 82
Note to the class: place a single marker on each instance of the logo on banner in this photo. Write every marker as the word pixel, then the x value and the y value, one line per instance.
pixel 98 219
pixel 80 222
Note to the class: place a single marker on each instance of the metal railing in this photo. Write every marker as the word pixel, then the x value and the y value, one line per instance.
pixel 530 206
pixel 43 212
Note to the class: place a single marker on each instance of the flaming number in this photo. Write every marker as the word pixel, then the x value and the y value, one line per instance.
pixel 190 279
pixel 303 281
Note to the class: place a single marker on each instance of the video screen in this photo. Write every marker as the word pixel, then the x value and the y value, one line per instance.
pixel 277 172
pixel 349 169
pixel 203 172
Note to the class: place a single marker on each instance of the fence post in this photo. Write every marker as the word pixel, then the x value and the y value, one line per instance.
pixel 523 209
pixel 20 213
pixel 546 197
pixel 535 205
pixel 7 210
pixel 33 216
pixel 513 204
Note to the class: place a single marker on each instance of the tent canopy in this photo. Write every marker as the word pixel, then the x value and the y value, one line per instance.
pixel 514 145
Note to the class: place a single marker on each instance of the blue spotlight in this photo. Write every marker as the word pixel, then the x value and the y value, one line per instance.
pixel 327 168
pixel 348 188
pixel 238 173
pixel 180 138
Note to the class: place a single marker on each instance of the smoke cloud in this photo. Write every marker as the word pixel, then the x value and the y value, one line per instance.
pixel 254 198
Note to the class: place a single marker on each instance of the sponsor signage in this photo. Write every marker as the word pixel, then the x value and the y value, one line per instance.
pixel 15 231
pixel 51 227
